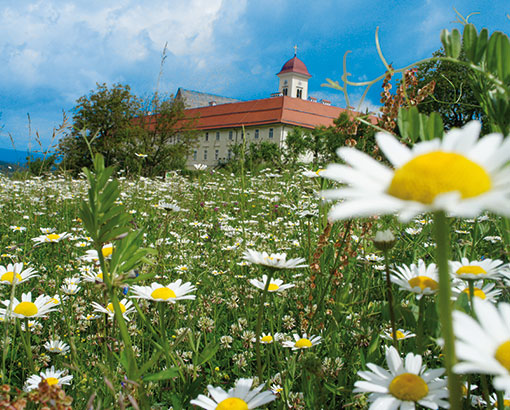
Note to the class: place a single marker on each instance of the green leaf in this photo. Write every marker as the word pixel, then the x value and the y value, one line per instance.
pixel 163 375
pixel 481 45
pixel 207 354
pixel 470 40
pixel 498 56
pixel 435 127
pixel 451 42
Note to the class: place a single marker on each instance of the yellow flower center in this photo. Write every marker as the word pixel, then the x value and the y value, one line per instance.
pixel 163 293
pixel 100 275
pixel 423 282
pixel 273 287
pixel 51 380
pixel 435 173
pixel 9 277
pixel 400 335
pixel 471 269
pixel 266 339
pixel 107 251
pixel 479 293
pixel 408 387
pixel 110 307
pixel 503 354
pixel 53 236
pixel 301 343
pixel 232 403
pixel 26 309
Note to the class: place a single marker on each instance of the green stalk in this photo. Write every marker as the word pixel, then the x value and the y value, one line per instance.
pixel 7 318
pixel 419 329
pixel 259 323
pixel 445 308
pixel 390 300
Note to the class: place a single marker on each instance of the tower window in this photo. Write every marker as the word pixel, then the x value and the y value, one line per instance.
pixel 270 133
pixel 284 90
pixel 299 93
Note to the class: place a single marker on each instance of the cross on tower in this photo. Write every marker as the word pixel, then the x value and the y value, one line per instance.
pixel 295 51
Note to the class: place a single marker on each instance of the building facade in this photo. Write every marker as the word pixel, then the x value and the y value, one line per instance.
pixel 221 120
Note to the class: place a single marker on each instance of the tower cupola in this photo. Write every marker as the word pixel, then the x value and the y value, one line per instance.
pixel 294 78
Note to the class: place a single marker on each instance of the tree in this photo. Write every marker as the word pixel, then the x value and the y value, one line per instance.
pixel 454 97
pixel 100 117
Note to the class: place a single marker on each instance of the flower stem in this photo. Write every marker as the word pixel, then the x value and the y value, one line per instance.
pixel 419 330
pixel 445 308
pixel 390 300
pixel 259 323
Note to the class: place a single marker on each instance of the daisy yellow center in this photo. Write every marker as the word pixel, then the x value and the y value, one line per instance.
pixel 107 251
pixel 423 282
pixel 100 275
pixel 503 354
pixel 471 269
pixel 53 236
pixel 9 277
pixel 400 335
pixel 232 403
pixel 26 309
pixel 51 380
pixel 408 387
pixel 163 293
pixel 479 293
pixel 435 173
pixel 272 287
pixel 110 307
pixel 266 339
pixel 301 343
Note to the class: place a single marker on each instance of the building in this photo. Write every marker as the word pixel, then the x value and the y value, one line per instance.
pixel 222 120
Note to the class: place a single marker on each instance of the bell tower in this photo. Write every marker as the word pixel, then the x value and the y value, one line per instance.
pixel 294 78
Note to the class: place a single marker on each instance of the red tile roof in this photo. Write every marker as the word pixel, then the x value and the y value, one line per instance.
pixel 294 65
pixel 286 110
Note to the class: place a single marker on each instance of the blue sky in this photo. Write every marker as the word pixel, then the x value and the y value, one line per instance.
pixel 54 51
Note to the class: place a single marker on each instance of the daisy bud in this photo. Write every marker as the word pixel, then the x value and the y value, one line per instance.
pixel 384 240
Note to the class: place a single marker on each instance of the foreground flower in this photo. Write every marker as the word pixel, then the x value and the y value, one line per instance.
pixel 50 376
pixel 474 270
pixel 276 285
pixel 483 345
pixel 15 273
pixel 303 342
pixel 126 307
pixel 460 174
pixel 275 260
pixel 170 293
pixel 486 292
pixel 420 279
pixel 240 397
pixel 26 308
pixel 404 385
pixel 51 237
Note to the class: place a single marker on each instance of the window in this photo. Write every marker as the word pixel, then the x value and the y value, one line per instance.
pixel 217 136
pixel 230 134
pixel 229 154
pixel 205 154
pixel 216 154
pixel 299 93
pixel 206 136
pixel 256 134
pixel 195 154
pixel 270 133
pixel 284 91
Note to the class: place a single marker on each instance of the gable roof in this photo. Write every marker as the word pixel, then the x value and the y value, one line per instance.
pixel 195 99
pixel 275 110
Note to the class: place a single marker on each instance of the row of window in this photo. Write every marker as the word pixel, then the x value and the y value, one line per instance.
pixel 216 154
pixel 231 135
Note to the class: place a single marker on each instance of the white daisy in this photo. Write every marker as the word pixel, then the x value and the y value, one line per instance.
pixel 50 376
pixel 161 293
pixel 92 255
pixel 266 338
pixel 486 292
pixel 302 342
pixel 275 260
pixel 126 307
pixel 200 167
pixel 404 385
pixel 483 345
pixel 16 228
pixel 460 174
pixel 15 273
pixel 240 397
pixel 420 279
pixel 27 309
pixel 89 274
pixel 401 334
pixel 475 270
pixel 51 237
pixel 276 285
pixel 56 346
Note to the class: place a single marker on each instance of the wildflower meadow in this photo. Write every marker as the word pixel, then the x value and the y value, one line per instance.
pixel 367 283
